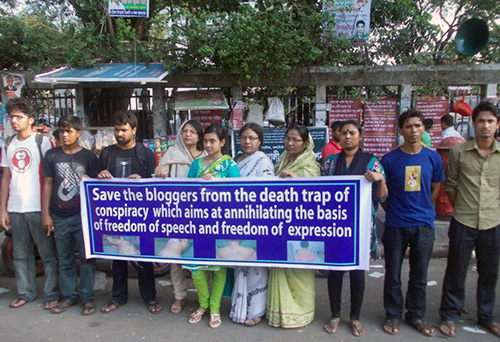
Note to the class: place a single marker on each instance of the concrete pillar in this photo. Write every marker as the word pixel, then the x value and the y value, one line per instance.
pixel 404 105
pixel 489 92
pixel 321 107
pixel 159 114
pixel 80 106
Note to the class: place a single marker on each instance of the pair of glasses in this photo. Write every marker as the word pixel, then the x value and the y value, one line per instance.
pixel 245 138
pixel 18 117
pixel 293 140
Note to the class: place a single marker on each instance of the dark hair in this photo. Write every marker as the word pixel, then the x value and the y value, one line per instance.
pixel 20 104
pixel 412 113
pixel 199 131
pixel 352 122
pixel 56 134
pixel 447 120
pixel 336 125
pixel 70 121
pixel 220 133
pixel 304 244
pixel 253 127
pixel 428 123
pixel 485 106
pixel 360 22
pixel 302 130
pixel 124 117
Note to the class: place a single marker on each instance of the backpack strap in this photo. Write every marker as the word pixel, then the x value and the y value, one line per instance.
pixel 7 142
pixel 39 141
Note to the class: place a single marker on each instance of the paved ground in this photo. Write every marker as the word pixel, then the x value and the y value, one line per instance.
pixel 133 322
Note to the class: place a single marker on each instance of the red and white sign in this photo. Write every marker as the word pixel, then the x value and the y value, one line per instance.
pixel 434 108
pixel 380 119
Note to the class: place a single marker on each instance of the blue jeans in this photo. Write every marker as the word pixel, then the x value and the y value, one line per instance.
pixel 68 235
pixel 420 239
pixel 463 240
pixel 27 231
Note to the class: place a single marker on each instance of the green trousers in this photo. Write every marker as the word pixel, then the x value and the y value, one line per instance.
pixel 206 300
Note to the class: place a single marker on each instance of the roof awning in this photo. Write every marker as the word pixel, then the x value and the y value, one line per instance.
pixel 200 100
pixel 126 72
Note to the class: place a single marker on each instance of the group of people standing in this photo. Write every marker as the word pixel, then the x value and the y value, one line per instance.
pixel 405 181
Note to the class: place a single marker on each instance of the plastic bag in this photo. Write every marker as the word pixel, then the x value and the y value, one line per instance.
pixel 461 107
pixel 87 140
pixel 255 114
pixel 276 111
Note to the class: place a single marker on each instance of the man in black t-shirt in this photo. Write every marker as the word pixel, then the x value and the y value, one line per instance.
pixel 63 167
pixel 127 159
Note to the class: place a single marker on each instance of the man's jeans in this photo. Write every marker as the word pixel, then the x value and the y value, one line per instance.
pixel 420 239
pixel 26 231
pixel 463 240
pixel 68 235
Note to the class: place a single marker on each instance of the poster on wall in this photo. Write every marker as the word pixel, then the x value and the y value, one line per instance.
pixel 344 109
pixel 129 8
pixel 352 18
pixel 12 85
pixel 207 117
pixel 434 108
pixel 380 121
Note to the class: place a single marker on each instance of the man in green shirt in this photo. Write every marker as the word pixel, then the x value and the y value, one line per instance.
pixel 472 184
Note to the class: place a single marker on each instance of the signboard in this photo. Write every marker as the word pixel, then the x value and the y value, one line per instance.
pixel 207 117
pixel 200 100
pixel 352 18
pixel 380 120
pixel 344 109
pixel 434 108
pixel 274 145
pixel 129 8
pixel 311 223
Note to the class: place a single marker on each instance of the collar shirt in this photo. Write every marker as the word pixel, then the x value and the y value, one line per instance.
pixel 477 182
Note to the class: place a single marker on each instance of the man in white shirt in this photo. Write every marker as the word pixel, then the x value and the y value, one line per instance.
pixel 20 207
pixel 447 124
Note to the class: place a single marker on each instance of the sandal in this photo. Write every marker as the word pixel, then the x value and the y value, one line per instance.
pixel 176 306
pixel 492 327
pixel 215 321
pixel 62 306
pixel 357 328
pixel 17 303
pixel 424 327
pixel 391 326
pixel 448 328
pixel 252 322
pixel 332 326
pixel 110 306
pixel 196 316
pixel 50 305
pixel 88 308
pixel 154 307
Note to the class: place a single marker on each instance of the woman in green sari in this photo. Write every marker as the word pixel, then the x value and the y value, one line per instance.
pixel 291 292
pixel 214 165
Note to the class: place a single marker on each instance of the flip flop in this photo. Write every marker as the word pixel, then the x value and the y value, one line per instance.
pixel 196 316
pixel 62 306
pixel 154 307
pixel 50 305
pixel 391 326
pixel 332 326
pixel 357 328
pixel 492 327
pixel 175 307
pixel 110 306
pixel 424 327
pixel 88 308
pixel 214 321
pixel 448 328
pixel 17 303
pixel 252 322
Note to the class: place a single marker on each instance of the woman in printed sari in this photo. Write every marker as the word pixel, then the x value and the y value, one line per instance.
pixel 214 165
pixel 248 301
pixel 291 292
pixel 175 163
pixel 353 161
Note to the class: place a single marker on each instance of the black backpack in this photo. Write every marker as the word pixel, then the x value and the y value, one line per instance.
pixel 140 152
pixel 38 139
